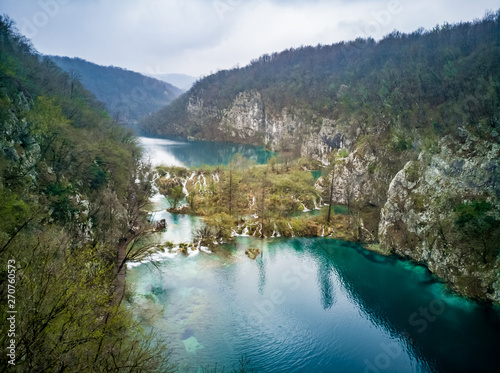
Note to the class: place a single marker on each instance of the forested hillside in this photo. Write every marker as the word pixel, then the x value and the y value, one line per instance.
pixel 128 95
pixel 71 188
pixel 419 117
pixel 406 86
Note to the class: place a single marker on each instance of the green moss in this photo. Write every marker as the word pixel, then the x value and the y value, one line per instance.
pixel 412 172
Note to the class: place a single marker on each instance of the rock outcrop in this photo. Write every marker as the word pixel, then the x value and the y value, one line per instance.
pixel 415 201
pixel 443 210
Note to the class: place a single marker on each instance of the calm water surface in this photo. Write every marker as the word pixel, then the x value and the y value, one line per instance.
pixel 175 152
pixel 307 305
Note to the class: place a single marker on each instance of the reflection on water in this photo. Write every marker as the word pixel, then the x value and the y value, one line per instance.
pixel 175 152
pixel 312 305
pixel 303 305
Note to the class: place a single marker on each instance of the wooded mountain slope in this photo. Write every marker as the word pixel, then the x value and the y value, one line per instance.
pixel 128 95
pixel 72 185
pixel 419 117
pixel 406 86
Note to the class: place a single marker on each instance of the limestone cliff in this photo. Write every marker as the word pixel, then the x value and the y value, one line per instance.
pixel 443 210
pixel 250 118
pixel 416 118
pixel 415 200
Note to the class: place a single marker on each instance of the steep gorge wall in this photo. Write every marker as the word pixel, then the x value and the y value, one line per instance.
pixel 413 199
pixel 443 210
pixel 250 120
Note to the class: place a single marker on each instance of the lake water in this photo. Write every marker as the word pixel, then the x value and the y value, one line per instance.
pixel 177 152
pixel 306 305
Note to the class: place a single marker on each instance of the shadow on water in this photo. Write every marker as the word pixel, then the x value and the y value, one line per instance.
pixel 449 333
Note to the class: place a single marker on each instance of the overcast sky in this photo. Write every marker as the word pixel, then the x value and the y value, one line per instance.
pixel 197 37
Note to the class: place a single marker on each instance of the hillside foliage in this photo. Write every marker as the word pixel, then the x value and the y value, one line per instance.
pixel 127 95
pixel 403 92
pixel 72 184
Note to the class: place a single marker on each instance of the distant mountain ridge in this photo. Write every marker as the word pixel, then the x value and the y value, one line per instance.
pixel 182 81
pixel 128 95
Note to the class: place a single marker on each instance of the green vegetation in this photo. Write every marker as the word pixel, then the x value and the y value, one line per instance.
pixel 72 190
pixel 128 95
pixel 478 225
pixel 258 200
pixel 426 97
pixel 402 93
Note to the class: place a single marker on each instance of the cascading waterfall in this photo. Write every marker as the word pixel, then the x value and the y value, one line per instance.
pixel 251 203
pixel 293 235
pixel 275 234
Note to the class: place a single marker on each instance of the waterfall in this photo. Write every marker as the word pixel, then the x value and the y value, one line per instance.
pixel 275 234
pixel 251 203
pixel 184 189
pixel 192 176
pixel 305 208
pixel 291 229
pixel 323 232
pixel 245 231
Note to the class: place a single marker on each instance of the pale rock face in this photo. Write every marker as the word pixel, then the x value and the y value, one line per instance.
pixel 414 200
pixel 248 118
pixel 195 106
pixel 418 218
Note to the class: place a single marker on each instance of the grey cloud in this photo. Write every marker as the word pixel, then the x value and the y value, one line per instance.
pixel 199 36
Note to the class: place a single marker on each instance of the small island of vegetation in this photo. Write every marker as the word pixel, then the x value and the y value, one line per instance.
pixel 282 198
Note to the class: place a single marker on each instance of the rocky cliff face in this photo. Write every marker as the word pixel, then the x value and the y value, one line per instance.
pixel 434 208
pixel 248 119
pixel 443 210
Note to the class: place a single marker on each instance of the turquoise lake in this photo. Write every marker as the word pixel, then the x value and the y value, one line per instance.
pixel 305 304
